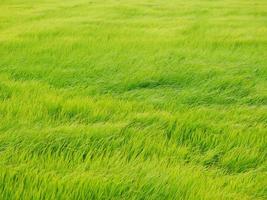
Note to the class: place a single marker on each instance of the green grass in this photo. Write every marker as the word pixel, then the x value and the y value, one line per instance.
pixel 131 99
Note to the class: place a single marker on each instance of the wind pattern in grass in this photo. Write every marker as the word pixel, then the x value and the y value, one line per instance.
pixel 131 99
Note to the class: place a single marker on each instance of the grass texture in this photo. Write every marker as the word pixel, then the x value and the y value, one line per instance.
pixel 131 99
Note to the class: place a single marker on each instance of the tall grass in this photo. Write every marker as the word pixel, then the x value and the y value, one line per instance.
pixel 132 99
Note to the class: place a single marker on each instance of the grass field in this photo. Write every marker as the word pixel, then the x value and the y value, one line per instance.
pixel 131 99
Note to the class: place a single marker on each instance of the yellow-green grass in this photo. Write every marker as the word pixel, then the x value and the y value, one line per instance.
pixel 131 99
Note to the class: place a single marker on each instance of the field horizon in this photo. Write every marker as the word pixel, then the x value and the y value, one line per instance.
pixel 111 99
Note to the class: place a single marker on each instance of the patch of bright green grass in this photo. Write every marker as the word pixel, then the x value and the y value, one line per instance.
pixel 108 99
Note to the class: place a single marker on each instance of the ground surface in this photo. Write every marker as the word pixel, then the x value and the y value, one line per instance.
pixel 133 99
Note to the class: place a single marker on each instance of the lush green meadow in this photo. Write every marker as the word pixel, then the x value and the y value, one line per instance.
pixel 133 99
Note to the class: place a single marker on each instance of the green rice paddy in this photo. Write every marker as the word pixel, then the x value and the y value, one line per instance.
pixel 131 99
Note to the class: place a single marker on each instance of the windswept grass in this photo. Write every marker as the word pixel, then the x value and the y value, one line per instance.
pixel 132 99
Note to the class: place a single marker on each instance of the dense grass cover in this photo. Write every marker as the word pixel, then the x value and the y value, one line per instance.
pixel 131 99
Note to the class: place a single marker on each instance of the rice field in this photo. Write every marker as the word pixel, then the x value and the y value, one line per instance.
pixel 131 99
